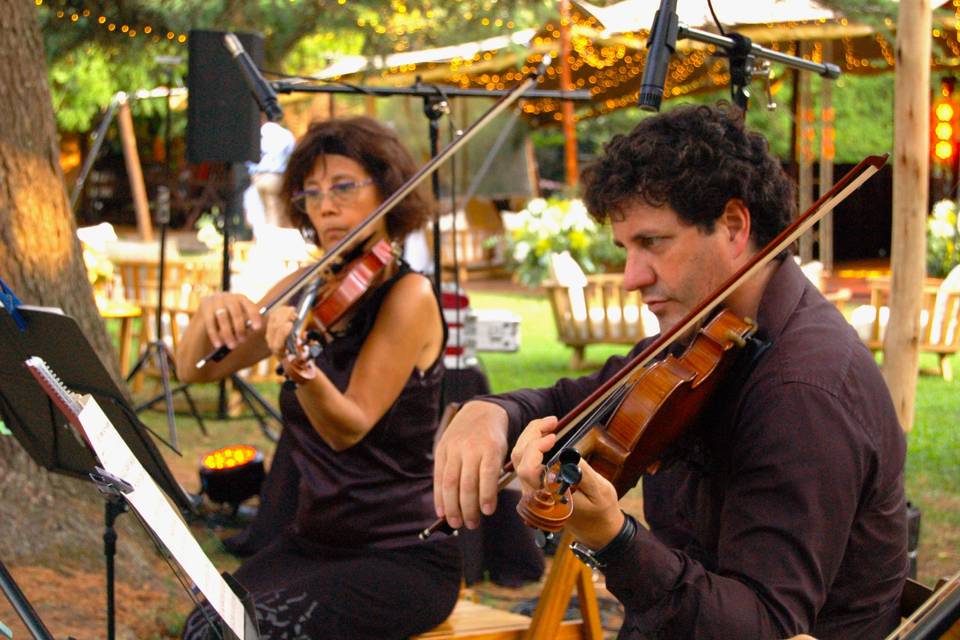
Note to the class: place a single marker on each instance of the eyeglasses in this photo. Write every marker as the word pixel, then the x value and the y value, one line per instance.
pixel 341 194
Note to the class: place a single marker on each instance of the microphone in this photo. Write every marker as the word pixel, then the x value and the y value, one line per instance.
pixel 661 44
pixel 262 92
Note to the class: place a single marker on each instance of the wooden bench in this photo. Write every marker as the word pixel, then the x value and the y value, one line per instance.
pixel 939 321
pixel 473 621
pixel 602 312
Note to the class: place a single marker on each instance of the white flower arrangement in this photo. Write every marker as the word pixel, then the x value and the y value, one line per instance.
pixel 550 226
pixel 943 234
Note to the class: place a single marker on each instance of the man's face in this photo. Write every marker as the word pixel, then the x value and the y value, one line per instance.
pixel 674 265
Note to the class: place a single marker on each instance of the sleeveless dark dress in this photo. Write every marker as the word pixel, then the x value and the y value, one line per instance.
pixel 350 564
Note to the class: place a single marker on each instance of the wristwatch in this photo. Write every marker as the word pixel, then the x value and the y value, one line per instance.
pixel 597 559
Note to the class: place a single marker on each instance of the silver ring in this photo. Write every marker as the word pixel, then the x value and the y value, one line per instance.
pixel 219 311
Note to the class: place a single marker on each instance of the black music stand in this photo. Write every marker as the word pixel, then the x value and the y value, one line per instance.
pixel 22 606
pixel 44 432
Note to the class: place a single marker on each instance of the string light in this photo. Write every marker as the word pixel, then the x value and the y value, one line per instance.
pixel 131 31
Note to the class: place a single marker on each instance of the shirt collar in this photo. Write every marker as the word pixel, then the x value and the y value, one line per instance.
pixel 780 298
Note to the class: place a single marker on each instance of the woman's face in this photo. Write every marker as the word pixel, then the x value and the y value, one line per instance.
pixel 337 195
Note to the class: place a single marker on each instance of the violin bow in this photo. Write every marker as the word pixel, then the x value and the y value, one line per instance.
pixel 824 205
pixel 393 199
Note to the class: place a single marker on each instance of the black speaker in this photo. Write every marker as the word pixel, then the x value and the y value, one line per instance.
pixel 223 120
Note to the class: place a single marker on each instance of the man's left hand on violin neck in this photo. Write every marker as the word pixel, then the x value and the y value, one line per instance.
pixel 596 517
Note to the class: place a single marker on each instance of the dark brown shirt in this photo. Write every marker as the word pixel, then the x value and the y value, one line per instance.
pixel 379 492
pixel 785 513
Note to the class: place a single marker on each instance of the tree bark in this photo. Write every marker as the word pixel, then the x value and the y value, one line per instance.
pixel 911 171
pixel 44 517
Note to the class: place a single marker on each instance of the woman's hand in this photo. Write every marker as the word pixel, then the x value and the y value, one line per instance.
pixel 596 517
pixel 226 316
pixel 299 366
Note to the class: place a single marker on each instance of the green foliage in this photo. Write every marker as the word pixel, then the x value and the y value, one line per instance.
pixel 88 63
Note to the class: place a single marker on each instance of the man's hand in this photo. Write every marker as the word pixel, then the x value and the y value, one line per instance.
pixel 596 518
pixel 467 465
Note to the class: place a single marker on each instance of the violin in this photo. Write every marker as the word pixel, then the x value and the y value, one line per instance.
pixel 327 303
pixel 632 419
pixel 652 409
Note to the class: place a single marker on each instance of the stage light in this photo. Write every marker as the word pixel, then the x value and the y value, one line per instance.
pixel 231 474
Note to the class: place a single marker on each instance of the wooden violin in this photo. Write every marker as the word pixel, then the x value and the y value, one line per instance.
pixel 653 402
pixel 654 406
pixel 327 303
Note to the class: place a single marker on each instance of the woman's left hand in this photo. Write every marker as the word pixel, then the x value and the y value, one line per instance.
pixel 296 366
pixel 596 517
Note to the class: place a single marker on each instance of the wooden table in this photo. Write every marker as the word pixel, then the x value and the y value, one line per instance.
pixel 126 313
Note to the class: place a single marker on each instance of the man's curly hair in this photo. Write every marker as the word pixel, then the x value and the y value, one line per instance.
pixel 378 150
pixel 693 159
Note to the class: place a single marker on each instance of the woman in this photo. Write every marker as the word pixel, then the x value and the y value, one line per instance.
pixel 359 419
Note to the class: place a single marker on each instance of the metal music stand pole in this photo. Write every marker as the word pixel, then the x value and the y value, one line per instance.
pixel 157 348
pixel 435 107
pixel 22 606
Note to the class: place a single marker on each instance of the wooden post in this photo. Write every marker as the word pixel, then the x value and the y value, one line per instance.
pixel 131 157
pixel 827 154
pixel 569 127
pixel 911 172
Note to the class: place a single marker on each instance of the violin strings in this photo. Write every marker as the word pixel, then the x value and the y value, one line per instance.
pixel 607 406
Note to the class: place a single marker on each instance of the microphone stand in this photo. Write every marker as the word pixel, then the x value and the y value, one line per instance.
pixel 740 50
pixel 743 54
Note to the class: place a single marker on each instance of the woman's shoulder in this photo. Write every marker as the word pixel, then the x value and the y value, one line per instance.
pixel 410 290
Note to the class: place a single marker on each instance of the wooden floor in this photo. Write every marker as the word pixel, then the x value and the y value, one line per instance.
pixel 474 621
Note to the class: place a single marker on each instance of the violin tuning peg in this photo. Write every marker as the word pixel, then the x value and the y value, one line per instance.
pixel 569 456
pixel 543 538
pixel 569 476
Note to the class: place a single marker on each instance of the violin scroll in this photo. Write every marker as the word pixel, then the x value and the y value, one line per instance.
pixel 549 507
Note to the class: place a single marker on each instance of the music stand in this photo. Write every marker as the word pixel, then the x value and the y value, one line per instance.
pixel 22 606
pixel 42 429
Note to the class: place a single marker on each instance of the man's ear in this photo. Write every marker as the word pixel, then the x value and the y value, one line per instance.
pixel 735 223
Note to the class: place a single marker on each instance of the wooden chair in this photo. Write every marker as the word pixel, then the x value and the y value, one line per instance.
pixel 473 621
pixel 939 321
pixel 478 241
pixel 929 613
pixel 602 312
pixel 184 283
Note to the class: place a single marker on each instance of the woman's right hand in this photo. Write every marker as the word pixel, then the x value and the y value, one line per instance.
pixel 226 316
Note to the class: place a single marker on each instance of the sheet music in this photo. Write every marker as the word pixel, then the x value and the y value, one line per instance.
pixel 150 504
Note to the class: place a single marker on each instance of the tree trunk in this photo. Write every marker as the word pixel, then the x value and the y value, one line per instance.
pixel 911 172
pixel 44 517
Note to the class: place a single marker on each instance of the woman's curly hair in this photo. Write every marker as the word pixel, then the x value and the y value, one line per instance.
pixel 378 150
pixel 693 159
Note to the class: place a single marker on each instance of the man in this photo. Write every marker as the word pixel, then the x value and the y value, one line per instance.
pixel 784 511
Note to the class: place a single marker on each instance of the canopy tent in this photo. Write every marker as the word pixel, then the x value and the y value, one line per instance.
pixel 608 52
